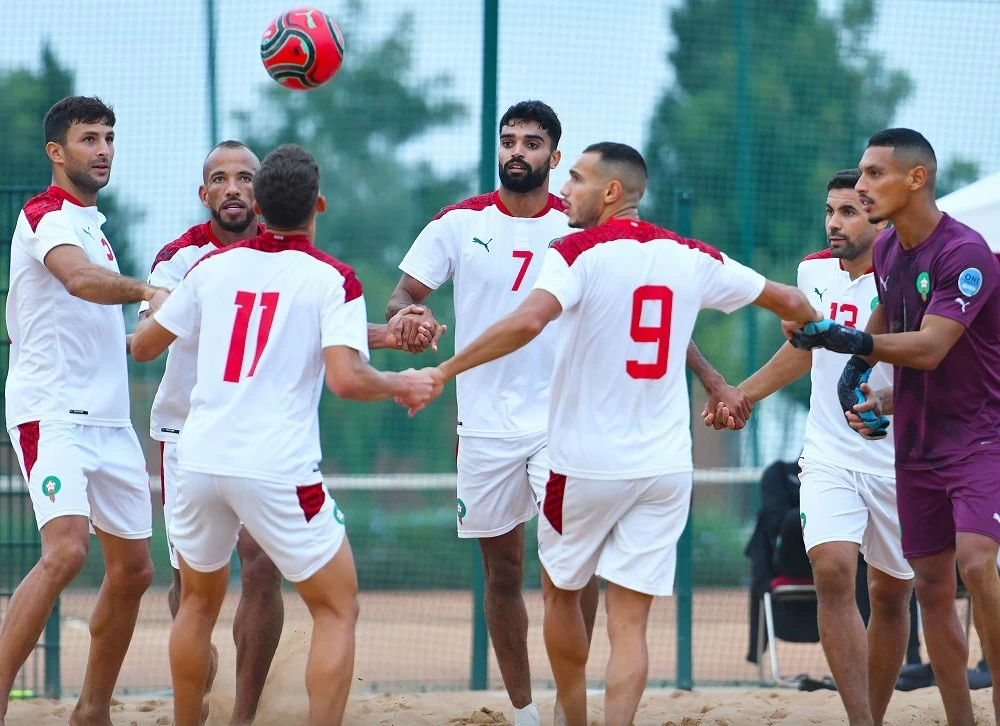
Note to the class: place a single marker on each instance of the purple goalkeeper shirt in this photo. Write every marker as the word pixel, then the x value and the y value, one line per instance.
pixel 944 415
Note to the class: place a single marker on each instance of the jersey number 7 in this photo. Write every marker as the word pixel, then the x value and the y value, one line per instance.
pixel 238 342
pixel 659 334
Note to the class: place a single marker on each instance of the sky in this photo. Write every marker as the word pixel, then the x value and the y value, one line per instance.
pixel 602 65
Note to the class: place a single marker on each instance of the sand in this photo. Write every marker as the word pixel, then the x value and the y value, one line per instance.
pixel 659 708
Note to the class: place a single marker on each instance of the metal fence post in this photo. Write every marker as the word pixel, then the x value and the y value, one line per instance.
pixel 487 173
pixel 684 576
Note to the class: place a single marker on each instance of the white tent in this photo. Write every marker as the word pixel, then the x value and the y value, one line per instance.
pixel 977 205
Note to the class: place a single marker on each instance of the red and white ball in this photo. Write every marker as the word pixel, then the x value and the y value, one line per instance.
pixel 302 49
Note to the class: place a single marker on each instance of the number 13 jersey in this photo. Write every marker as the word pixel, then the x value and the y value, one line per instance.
pixel 630 294
pixel 494 259
pixel 828 438
pixel 262 311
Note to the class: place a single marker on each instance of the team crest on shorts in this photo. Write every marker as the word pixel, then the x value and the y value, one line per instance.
pixel 338 513
pixel 874 303
pixel 802 518
pixel 461 509
pixel 50 487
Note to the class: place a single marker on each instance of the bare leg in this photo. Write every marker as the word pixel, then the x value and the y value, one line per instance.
pixel 977 560
pixel 841 630
pixel 567 646
pixel 943 634
pixel 888 632
pixel 628 613
pixel 202 595
pixel 256 627
pixel 589 597
pixel 64 549
pixel 506 615
pixel 174 603
pixel 332 598
pixel 128 574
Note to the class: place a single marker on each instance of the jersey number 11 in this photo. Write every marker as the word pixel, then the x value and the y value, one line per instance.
pixel 238 342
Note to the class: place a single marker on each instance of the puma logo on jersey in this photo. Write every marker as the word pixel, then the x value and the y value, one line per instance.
pixel 90 234
pixel 963 303
pixel 486 244
pixel 820 294
pixel 885 282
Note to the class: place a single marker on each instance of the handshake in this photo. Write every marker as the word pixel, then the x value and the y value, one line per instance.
pixel 859 403
pixel 415 389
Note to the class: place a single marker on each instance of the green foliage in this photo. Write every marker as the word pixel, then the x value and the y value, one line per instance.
pixel 359 127
pixel 25 96
pixel 816 93
pixel 955 175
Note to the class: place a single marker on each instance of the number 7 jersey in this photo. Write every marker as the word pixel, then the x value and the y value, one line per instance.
pixel 630 294
pixel 262 311
pixel 494 259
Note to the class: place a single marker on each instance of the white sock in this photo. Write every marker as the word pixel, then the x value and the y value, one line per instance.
pixel 527 716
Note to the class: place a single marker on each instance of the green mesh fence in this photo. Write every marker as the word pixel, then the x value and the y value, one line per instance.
pixel 747 105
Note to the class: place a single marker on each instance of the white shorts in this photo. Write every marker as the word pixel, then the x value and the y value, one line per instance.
pixel 839 505
pixel 98 472
pixel 169 473
pixel 299 528
pixel 625 531
pixel 500 482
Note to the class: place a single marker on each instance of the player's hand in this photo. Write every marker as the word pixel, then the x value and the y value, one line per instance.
pixel 159 297
pixel 423 387
pixel 866 417
pixel 833 336
pixel 727 408
pixel 413 329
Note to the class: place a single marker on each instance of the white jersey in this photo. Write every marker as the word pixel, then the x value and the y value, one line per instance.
pixel 494 259
pixel 262 311
pixel 67 357
pixel 173 397
pixel 630 294
pixel 829 439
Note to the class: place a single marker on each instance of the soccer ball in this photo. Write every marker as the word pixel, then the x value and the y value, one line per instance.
pixel 302 49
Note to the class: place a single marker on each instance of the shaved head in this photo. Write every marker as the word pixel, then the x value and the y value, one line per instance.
pixel 909 150
pixel 623 163
pixel 222 148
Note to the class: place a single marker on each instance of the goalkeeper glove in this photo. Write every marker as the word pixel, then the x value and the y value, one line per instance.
pixel 834 337
pixel 856 372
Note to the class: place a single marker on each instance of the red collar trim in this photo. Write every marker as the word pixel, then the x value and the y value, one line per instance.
pixel 870 269
pixel 287 240
pixel 63 194
pixel 210 233
pixel 549 203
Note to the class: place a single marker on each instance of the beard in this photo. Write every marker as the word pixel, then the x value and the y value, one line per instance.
pixel 850 249
pixel 80 176
pixel 236 227
pixel 529 182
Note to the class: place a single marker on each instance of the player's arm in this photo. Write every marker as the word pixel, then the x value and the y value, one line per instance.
pixel 350 377
pixel 87 281
pixel 150 339
pixel 508 334
pixel 787 302
pixel 786 366
pixel 729 401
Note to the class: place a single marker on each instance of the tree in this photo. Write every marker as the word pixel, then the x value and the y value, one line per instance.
pixel 816 93
pixel 357 127
pixel 25 96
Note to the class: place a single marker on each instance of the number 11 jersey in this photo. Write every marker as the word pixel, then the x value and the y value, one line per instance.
pixel 630 294
pixel 262 317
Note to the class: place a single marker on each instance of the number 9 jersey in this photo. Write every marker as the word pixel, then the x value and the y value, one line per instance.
pixel 262 317
pixel 630 294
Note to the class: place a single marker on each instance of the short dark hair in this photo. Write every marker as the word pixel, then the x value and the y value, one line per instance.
pixel 906 140
pixel 229 144
pixel 75 110
pixel 537 111
pixel 844 179
pixel 286 186
pixel 616 153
